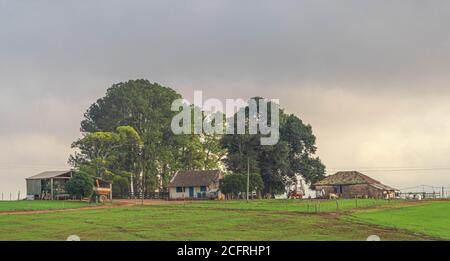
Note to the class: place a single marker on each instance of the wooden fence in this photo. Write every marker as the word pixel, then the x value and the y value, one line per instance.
pixel 149 195
pixel 423 195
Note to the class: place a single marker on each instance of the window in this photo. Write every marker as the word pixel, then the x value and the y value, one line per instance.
pixel 179 189
pixel 203 188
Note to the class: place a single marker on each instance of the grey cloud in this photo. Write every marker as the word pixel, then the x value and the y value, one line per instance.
pixel 350 68
pixel 322 41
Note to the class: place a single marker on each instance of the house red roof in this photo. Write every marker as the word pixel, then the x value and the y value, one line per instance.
pixel 347 178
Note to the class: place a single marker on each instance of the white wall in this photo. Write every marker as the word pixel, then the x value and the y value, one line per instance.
pixel 180 195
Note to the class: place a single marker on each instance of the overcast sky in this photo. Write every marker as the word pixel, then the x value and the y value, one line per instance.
pixel 371 77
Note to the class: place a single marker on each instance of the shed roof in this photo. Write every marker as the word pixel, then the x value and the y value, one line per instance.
pixel 195 178
pixel 50 174
pixel 347 178
pixel 383 187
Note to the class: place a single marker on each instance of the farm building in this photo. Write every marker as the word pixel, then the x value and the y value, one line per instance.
pixel 195 184
pixel 48 184
pixel 351 184
pixel 51 185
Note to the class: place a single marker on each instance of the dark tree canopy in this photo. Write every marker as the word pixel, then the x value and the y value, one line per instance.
pixel 127 139
pixel 278 164
pixel 127 133
pixel 236 183
pixel 136 103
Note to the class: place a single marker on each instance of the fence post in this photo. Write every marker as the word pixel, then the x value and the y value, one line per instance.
pixel 18 195
pixel 110 193
pixel 356 202
pixel 337 205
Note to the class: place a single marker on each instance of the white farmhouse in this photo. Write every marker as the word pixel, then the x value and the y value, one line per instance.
pixel 195 184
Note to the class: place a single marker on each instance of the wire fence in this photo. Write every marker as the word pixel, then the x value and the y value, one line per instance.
pixel 426 191
pixel 11 196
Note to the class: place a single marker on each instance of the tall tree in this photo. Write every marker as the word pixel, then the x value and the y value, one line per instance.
pixel 129 162
pixel 278 164
pixel 146 107
pixel 96 150
pixel 110 155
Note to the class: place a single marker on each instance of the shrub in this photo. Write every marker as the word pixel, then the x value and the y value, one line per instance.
pixel 233 184
pixel 80 185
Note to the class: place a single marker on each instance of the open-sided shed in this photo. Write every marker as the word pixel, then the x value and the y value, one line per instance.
pixel 51 185
pixel 48 184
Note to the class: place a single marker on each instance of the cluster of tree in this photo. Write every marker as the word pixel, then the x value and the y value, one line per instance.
pixel 114 156
pixel 278 164
pixel 127 139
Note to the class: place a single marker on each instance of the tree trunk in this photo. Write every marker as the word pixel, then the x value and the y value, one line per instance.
pixel 132 184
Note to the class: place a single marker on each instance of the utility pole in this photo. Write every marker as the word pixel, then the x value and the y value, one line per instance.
pixel 142 188
pixel 142 179
pixel 248 176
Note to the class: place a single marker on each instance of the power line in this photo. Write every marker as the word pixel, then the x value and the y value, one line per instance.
pixel 33 167
pixel 375 169
pixel 423 186
pixel 393 167
pixel 29 164
pixel 6 164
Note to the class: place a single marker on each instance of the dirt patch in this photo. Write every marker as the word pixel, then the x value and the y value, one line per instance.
pixel 151 201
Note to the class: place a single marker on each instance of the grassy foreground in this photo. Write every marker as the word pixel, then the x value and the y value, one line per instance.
pixel 304 206
pixel 27 205
pixel 431 218
pixel 184 223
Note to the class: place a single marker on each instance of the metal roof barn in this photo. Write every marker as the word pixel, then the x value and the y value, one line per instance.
pixel 48 184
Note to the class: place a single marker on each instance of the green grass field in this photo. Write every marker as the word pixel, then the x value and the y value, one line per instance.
pixel 305 206
pixel 183 223
pixel 235 220
pixel 27 205
pixel 430 218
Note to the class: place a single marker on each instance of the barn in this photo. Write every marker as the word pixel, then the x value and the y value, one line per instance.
pixel 48 184
pixel 195 184
pixel 51 185
pixel 351 184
